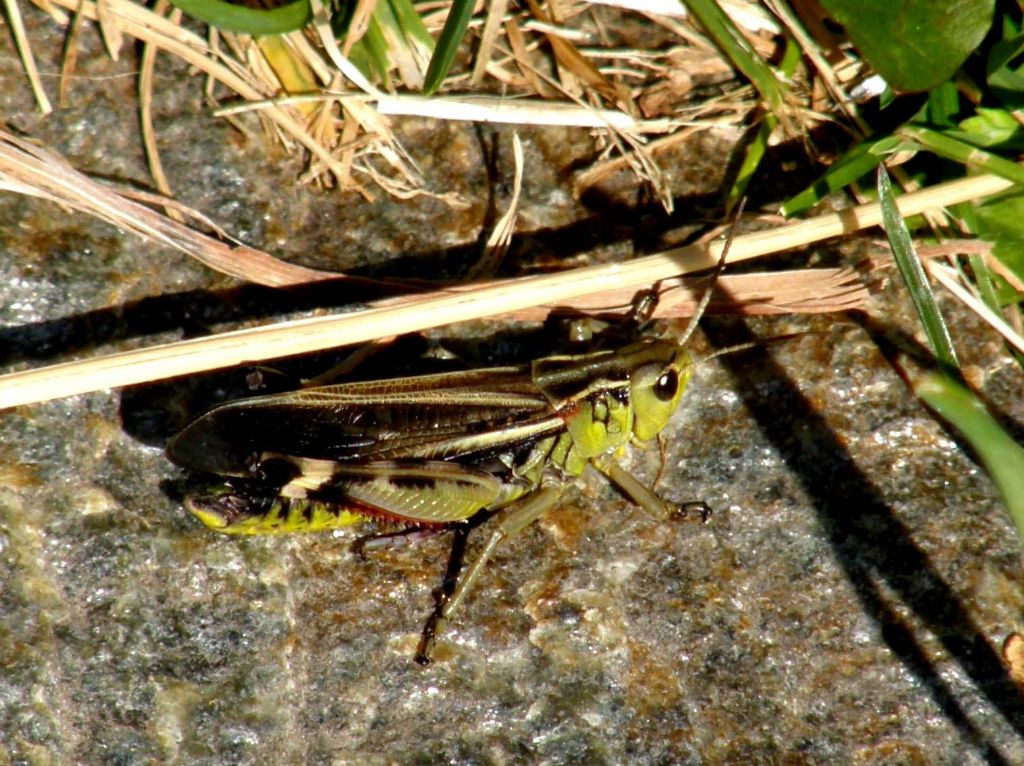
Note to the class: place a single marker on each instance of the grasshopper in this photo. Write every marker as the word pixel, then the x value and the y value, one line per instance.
pixel 439 451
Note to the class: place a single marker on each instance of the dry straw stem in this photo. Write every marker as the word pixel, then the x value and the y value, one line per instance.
pixel 493 109
pixel 423 312
pixel 474 108
pixel 146 67
pixel 492 25
pixel 497 245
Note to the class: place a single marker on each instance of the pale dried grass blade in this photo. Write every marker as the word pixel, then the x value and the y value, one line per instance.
pixel 497 244
pixel 406 53
pixel 387 145
pixel 52 11
pixel 806 291
pixel 28 169
pixel 574 61
pixel 625 140
pixel 520 54
pixel 322 27
pixel 745 14
pixel 1002 270
pixel 313 58
pixel 358 24
pixel 950 248
pixel 28 61
pixel 110 30
pixel 474 108
pixel 146 66
pixel 70 57
pixel 150 27
pixel 602 170
pixel 658 7
pixel 349 132
pixel 495 109
pixel 823 67
pixel 947 278
pixel 496 11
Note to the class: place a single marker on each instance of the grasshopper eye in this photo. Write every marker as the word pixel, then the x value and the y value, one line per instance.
pixel 667 385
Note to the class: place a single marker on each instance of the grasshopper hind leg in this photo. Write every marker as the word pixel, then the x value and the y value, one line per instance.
pixel 454 588
pixel 443 594
pixel 511 521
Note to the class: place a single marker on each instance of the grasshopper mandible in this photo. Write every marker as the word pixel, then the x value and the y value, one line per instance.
pixel 444 451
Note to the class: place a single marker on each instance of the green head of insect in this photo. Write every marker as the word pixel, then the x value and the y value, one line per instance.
pixel 661 369
pixel 656 386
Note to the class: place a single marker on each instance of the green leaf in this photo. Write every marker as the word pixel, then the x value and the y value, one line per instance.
pixel 411 24
pixel 914 44
pixel 985 281
pixel 912 271
pixel 1002 76
pixel 1002 457
pixel 1002 54
pixel 756 150
pixel 374 48
pixel 1001 221
pixel 238 18
pixel 990 127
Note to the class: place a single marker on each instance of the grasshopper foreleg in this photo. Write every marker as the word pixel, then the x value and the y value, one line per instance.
pixel 644 496
pixel 511 521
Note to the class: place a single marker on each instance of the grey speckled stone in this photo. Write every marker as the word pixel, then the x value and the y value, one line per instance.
pixel 846 604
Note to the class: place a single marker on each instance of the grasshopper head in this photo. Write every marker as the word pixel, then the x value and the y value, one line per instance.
pixel 656 386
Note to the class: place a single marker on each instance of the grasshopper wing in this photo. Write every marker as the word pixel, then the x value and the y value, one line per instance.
pixel 418 417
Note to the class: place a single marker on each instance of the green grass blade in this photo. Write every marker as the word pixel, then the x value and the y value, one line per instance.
pixel 752 156
pixel 913 275
pixel 757 148
pixel 375 47
pixel 985 281
pixel 411 24
pixel 960 151
pixel 736 49
pixel 448 42
pixel 856 163
pixel 1001 456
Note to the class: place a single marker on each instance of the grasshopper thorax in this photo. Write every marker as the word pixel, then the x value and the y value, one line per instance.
pixel 610 396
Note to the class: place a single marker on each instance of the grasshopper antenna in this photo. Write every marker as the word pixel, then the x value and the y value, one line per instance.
pixel 759 343
pixel 705 299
